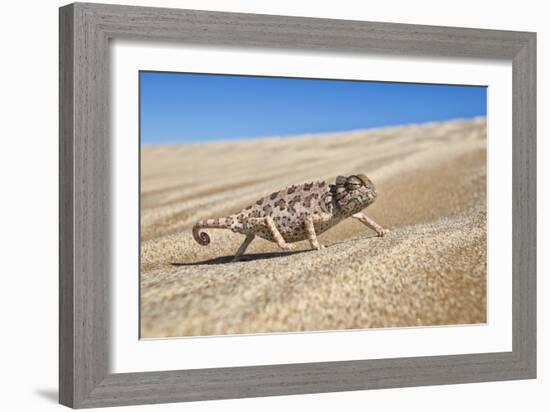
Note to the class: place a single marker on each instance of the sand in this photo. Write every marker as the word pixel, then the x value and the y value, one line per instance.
pixel 430 270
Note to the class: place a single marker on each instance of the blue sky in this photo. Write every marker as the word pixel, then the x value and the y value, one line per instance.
pixel 190 108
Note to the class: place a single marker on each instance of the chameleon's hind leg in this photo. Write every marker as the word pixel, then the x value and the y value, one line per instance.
pixel 310 229
pixel 270 224
pixel 277 235
pixel 242 249
pixel 363 218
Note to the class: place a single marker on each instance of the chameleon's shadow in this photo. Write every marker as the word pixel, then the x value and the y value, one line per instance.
pixel 244 258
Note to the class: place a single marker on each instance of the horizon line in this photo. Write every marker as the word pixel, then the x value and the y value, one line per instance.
pixel 313 134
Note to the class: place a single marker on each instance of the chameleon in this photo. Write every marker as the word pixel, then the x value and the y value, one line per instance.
pixel 297 213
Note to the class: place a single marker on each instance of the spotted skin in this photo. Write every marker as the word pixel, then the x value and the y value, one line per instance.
pixel 298 213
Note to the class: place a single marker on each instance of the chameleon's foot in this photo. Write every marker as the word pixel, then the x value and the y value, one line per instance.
pixel 382 232
pixel 287 246
pixel 318 247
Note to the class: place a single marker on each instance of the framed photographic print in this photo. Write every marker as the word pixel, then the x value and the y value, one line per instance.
pixel 256 205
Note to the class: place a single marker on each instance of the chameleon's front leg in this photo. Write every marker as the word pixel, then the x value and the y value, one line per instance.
pixel 311 235
pixel 309 224
pixel 363 218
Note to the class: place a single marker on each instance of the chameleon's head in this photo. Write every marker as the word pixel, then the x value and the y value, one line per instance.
pixel 354 192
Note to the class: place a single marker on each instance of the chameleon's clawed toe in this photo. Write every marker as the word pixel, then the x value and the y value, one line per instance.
pixel 288 246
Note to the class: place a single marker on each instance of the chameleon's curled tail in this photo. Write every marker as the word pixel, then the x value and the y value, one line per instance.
pixel 201 237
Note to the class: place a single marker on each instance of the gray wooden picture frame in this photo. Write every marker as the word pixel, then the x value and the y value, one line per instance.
pixel 85 31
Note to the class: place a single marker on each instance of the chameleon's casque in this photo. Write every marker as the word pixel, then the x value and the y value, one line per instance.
pixel 298 212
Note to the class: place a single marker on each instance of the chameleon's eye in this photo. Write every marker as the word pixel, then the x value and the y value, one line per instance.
pixel 352 186
pixel 354 182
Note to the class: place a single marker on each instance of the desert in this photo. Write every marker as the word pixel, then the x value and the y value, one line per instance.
pixel 430 270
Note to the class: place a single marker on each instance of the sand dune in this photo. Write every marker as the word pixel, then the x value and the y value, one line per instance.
pixel 430 270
